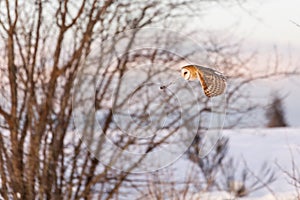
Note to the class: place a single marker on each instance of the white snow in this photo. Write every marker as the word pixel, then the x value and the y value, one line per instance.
pixel 276 147
pixel 227 196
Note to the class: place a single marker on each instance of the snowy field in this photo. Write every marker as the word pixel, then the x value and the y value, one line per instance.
pixel 276 147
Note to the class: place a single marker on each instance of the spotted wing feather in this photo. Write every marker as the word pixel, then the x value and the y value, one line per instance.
pixel 212 81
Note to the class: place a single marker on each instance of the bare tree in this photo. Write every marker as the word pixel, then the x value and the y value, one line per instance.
pixel 43 47
pixel 275 114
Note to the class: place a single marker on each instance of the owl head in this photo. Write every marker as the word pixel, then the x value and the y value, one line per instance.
pixel 189 72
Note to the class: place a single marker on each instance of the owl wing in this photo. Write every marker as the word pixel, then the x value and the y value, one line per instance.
pixel 212 81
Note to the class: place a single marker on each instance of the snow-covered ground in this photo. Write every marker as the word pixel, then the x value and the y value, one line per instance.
pixel 276 147
pixel 227 196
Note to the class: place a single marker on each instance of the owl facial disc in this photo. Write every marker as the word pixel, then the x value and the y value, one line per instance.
pixel 185 74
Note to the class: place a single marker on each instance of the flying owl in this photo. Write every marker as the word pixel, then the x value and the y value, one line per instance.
pixel 212 81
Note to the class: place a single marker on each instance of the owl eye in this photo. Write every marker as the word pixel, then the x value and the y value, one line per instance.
pixel 185 73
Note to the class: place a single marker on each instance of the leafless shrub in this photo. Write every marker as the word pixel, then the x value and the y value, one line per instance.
pixel 218 172
pixel 210 164
pixel 165 184
pixel 242 180
pixel 293 174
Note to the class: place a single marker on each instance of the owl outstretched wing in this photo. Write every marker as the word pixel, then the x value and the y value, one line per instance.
pixel 212 81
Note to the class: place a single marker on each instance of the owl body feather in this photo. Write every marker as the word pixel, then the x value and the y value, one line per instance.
pixel 212 81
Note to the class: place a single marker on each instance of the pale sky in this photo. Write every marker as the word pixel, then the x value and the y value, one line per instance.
pixel 265 24
pixel 259 20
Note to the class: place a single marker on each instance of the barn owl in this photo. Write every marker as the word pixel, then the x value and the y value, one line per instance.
pixel 212 81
